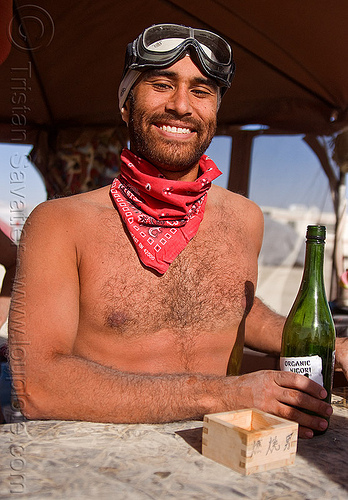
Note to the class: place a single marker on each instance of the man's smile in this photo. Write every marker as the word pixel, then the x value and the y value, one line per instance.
pixel 174 129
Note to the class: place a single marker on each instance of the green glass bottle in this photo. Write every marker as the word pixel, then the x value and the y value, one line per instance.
pixel 308 342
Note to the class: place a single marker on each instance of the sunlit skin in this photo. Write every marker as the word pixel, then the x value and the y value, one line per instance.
pixel 181 97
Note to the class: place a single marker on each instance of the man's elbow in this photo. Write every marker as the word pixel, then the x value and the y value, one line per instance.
pixel 33 402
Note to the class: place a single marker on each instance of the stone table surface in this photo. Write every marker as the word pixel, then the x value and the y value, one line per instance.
pixel 83 460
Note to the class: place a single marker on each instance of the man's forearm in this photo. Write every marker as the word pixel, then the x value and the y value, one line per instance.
pixel 78 389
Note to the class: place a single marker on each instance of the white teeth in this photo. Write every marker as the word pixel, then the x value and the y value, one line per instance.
pixel 175 130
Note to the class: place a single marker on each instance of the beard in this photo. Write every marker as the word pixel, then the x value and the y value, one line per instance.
pixel 169 154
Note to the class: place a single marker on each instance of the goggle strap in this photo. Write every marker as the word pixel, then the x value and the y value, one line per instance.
pixel 127 83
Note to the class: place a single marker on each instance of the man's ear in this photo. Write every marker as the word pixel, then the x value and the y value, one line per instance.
pixel 125 112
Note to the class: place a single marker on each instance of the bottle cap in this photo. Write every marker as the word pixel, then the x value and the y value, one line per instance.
pixel 316 233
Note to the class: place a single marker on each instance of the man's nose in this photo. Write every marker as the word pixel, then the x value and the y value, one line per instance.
pixel 180 102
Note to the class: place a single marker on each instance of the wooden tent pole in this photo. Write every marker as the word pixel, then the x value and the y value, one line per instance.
pixel 337 292
pixel 338 192
pixel 238 181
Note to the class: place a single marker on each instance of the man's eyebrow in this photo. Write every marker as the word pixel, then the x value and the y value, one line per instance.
pixel 160 72
pixel 199 80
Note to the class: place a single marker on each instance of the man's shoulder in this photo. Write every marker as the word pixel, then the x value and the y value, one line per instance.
pixel 70 212
pixel 75 204
pixel 234 201
pixel 239 211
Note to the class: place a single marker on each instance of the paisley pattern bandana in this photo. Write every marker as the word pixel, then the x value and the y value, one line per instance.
pixel 161 215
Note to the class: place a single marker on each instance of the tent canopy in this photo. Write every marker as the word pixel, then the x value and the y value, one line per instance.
pixel 66 61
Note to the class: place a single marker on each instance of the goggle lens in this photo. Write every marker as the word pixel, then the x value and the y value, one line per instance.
pixel 168 37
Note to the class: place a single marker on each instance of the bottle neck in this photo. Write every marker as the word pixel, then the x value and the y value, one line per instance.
pixel 313 274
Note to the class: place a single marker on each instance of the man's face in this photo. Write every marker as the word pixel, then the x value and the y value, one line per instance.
pixel 171 116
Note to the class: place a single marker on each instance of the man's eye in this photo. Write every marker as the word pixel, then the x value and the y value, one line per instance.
pixel 161 85
pixel 201 92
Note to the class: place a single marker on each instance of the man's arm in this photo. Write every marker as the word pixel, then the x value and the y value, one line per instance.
pixel 263 327
pixel 264 333
pixel 263 330
pixel 53 382
pixel 342 355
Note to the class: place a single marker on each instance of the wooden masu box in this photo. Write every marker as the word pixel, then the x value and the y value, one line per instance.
pixel 249 440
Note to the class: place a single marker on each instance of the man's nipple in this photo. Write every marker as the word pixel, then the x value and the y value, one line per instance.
pixel 117 320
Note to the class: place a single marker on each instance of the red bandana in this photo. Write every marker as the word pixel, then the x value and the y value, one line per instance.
pixel 161 215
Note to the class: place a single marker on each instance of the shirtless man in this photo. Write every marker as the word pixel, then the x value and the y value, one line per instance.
pixel 110 329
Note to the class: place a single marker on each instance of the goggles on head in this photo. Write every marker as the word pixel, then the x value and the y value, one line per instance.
pixel 161 45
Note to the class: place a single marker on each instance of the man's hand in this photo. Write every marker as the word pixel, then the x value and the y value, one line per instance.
pixel 342 355
pixel 282 394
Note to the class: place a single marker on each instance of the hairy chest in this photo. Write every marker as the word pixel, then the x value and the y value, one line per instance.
pixel 208 287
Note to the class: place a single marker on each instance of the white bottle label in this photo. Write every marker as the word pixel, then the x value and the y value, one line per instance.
pixel 310 366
